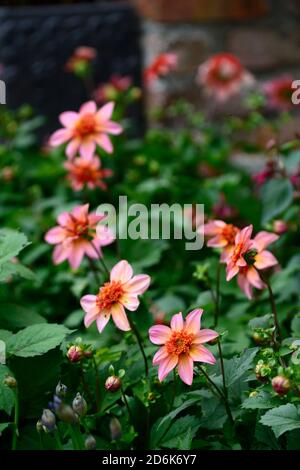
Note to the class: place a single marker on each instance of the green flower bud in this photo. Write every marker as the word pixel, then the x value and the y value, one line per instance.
pixel 48 420
pixel 90 443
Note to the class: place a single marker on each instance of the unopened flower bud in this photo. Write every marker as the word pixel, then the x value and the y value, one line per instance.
pixel 39 426
pixel 10 381
pixel 262 370
pixel 90 443
pixel 67 414
pixel 75 353
pixel 280 227
pixel 61 390
pixel 281 385
pixel 115 429
pixel 79 405
pixel 113 383
pixel 48 420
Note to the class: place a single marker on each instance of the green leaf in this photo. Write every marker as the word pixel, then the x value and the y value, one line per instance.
pixel 181 433
pixel 213 413
pixel 162 425
pixel 282 419
pixel 11 243
pixel 3 426
pixel 16 316
pixel 296 324
pixel 262 401
pixel 236 367
pixel 7 397
pixel 36 340
pixel 277 195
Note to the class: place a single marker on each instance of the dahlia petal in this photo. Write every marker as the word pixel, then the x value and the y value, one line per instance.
pixel 63 219
pixel 231 272
pixel 105 112
pixel 55 235
pixel 89 107
pixel 102 321
pixel 72 148
pixel 185 368
pixel 217 242
pixel 254 278
pixel 105 235
pixel 113 128
pixel 138 284
pixel 193 321
pixel 161 354
pixel 68 118
pixel 245 285
pixel 177 322
pixel 59 137
pixel 213 227
pixel 263 239
pixel 264 260
pixel 60 254
pixel 120 318
pixel 89 303
pixel 76 254
pixel 87 149
pixel 104 142
pixel 122 271
pixel 130 301
pixel 81 212
pixel 89 318
pixel 159 334
pixel 200 353
pixel 92 249
pixel 204 336
pixel 165 366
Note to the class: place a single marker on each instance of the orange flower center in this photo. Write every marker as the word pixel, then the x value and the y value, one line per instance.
pixel 179 343
pixel 229 232
pixel 237 252
pixel 109 294
pixel 85 125
pixel 86 173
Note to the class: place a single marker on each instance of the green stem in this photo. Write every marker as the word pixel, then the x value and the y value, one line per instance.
pixel 74 437
pixel 103 265
pixel 216 298
pixel 94 270
pixel 139 340
pixel 221 394
pixel 16 420
pixel 57 440
pixel 84 384
pixel 127 405
pixel 97 384
pixel 274 309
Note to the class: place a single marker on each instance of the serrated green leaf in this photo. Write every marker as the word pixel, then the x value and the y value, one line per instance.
pixel 262 401
pixel 36 340
pixel 236 367
pixel 11 243
pixel 282 419
pixel 181 433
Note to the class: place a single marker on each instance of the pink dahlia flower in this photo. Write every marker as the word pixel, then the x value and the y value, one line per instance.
pixel 76 236
pixel 86 129
pixel 248 257
pixel 120 292
pixel 223 75
pixel 162 65
pixel 221 235
pixel 279 93
pixel 181 345
pixel 83 172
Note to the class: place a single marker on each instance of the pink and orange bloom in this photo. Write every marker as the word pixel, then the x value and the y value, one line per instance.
pixel 221 235
pixel 83 172
pixel 75 236
pixel 279 93
pixel 222 76
pixel 161 66
pixel 248 256
pixel 120 292
pixel 81 57
pixel 181 345
pixel 86 129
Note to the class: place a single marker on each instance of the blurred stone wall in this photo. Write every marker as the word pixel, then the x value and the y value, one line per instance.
pixel 264 34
